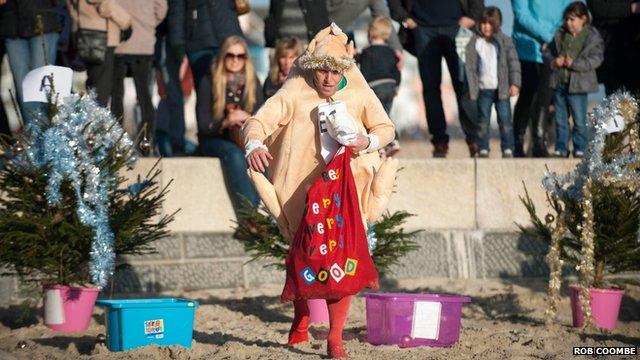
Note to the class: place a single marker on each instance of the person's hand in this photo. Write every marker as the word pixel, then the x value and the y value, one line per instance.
pixel 410 24
pixel 514 90
pixel 568 61
pixel 466 22
pixel 635 7
pixel 400 57
pixel 558 62
pixel 544 47
pixel 2 2
pixel 126 34
pixel 360 143
pixel 235 118
pixel 258 160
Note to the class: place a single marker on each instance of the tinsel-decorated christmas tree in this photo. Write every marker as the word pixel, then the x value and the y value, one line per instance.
pixel 388 242
pixel 65 212
pixel 595 225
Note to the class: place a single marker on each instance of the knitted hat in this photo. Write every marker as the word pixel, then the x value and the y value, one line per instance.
pixel 328 50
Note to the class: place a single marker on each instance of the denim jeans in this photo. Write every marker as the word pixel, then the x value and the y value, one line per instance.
pixel 26 54
pixel 170 121
pixel 432 44
pixel 234 169
pixel 577 104
pixel 385 93
pixel 486 98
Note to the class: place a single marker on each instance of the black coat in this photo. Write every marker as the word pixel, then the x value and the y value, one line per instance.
pixel 18 18
pixel 201 24
pixel 620 31
pixel 401 9
pixel 316 17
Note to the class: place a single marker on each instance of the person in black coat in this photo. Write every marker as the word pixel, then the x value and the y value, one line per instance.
pixel 618 21
pixel 24 46
pixel 197 29
pixel 303 20
pixel 434 25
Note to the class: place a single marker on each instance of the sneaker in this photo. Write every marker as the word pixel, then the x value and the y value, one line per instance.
pixel 473 149
pixel 560 154
pixel 483 153
pixel 440 151
pixel 507 154
pixel 392 148
pixel 578 154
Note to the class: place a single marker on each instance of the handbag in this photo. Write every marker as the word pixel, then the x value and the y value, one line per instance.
pixel 407 40
pixel 91 45
pixel 242 7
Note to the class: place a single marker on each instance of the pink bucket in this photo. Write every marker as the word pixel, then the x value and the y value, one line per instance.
pixel 605 306
pixel 67 308
pixel 318 311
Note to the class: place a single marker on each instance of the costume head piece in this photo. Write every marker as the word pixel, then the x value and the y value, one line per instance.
pixel 328 50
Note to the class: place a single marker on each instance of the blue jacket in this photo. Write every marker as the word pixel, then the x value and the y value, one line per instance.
pixel 534 23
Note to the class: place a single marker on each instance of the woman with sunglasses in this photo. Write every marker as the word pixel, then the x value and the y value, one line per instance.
pixel 236 95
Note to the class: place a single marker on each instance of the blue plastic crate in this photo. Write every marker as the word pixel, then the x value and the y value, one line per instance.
pixel 132 323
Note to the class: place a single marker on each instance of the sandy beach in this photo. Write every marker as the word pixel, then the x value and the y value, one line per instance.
pixel 503 321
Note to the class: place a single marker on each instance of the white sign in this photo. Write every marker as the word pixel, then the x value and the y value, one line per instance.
pixel 426 320
pixel 41 81
pixel 328 145
pixel 53 307
pixel 615 124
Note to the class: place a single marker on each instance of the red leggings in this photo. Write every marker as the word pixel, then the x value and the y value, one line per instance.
pixel 338 312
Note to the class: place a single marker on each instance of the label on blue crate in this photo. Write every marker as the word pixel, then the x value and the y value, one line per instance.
pixel 426 320
pixel 154 329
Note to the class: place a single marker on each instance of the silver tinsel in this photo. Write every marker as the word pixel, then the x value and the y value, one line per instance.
pixel 61 148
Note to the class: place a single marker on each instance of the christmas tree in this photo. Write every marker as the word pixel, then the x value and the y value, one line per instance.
pixel 65 212
pixel 595 227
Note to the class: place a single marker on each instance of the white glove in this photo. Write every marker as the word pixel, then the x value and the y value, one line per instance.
pixel 342 127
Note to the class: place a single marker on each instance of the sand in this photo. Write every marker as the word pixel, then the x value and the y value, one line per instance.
pixel 503 321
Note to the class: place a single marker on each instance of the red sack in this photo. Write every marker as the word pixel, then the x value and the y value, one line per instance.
pixel 329 256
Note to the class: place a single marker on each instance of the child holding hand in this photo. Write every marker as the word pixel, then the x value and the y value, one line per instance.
pixel 574 55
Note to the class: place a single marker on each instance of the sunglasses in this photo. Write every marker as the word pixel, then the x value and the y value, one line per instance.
pixel 229 56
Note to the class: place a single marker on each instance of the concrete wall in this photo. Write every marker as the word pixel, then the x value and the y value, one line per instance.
pixel 468 208
pixel 467 194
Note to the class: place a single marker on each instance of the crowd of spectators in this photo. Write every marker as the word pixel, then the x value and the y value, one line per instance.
pixel 558 52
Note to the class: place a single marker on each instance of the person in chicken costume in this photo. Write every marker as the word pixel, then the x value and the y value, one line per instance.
pixel 319 137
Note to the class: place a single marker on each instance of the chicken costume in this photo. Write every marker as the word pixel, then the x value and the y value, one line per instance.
pixel 287 124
